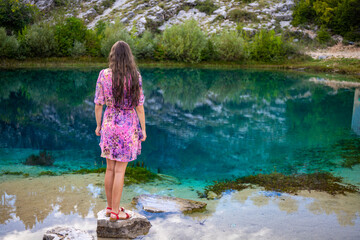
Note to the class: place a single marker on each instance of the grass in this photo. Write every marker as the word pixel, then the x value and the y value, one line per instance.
pixel 318 181
pixel 348 67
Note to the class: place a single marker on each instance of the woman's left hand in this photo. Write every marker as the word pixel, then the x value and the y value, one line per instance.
pixel 97 131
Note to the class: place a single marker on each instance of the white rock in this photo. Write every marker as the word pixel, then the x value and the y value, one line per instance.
pixel 283 16
pixel 158 203
pixel 254 4
pixel 130 228
pixel 66 233
pixel 221 11
pixel 284 24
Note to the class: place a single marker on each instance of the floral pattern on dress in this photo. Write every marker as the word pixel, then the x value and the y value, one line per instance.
pixel 120 128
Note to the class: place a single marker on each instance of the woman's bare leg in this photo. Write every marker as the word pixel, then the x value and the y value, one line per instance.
pixel 120 168
pixel 109 180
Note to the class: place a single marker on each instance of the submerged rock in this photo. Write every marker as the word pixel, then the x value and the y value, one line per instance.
pixel 157 204
pixel 68 233
pixel 212 195
pixel 133 227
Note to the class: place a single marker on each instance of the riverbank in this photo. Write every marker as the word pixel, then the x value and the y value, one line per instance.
pixel 345 67
pixel 74 200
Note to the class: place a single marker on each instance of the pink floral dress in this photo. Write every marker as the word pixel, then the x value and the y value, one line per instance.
pixel 120 128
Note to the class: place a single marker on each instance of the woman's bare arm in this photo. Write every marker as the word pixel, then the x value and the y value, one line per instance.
pixel 98 116
pixel 141 114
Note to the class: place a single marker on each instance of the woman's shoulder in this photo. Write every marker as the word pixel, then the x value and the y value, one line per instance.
pixel 107 72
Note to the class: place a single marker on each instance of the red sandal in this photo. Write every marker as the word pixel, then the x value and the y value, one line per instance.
pixel 108 214
pixel 117 217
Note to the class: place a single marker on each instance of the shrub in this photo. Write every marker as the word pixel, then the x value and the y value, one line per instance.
pixel 340 16
pixel 303 12
pixel 92 43
pixel 206 6
pixel 230 46
pixel 67 32
pixel 266 46
pixel 113 33
pixel 107 3
pixel 208 52
pixel 8 45
pixel 184 42
pixel 78 49
pixel 37 41
pixel 152 25
pixel 145 47
pixel 100 27
pixel 239 15
pixel 15 15
pixel 323 35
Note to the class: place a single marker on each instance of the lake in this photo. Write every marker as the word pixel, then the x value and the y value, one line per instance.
pixel 202 124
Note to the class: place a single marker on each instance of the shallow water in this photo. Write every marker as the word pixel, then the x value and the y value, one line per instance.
pixel 202 125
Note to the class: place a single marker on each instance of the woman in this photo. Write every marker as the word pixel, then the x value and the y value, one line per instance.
pixel 120 88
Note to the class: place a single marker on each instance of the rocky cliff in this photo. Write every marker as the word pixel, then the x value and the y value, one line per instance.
pixel 212 15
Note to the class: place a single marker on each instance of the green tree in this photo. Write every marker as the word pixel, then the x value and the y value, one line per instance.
pixel 15 15
pixel 37 41
pixel 184 42
pixel 67 32
pixel 230 46
pixel 8 45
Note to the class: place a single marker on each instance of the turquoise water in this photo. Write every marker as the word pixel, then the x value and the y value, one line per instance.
pixel 201 124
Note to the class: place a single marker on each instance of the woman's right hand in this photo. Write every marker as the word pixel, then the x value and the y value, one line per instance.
pixel 144 135
pixel 97 131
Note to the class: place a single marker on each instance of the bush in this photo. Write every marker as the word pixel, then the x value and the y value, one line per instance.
pixel 93 42
pixel 266 46
pixel 239 15
pixel 323 35
pixel 230 46
pixel 15 15
pixel 37 41
pixel 303 12
pixel 340 16
pixel 206 6
pixel 8 45
pixel 107 3
pixel 184 42
pixel 78 49
pixel 145 46
pixel 208 52
pixel 113 33
pixel 67 32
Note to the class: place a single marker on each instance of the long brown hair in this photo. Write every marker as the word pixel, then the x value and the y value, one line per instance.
pixel 123 66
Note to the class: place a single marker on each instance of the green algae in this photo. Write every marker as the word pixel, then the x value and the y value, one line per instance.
pixel 47 173
pixel 43 159
pixel 318 181
pixel 349 151
pixel 135 173
pixel 11 173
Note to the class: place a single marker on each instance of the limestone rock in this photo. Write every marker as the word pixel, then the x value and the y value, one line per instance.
pixel 221 11
pixel 212 195
pixel 67 233
pixel 283 16
pixel 90 13
pixel 158 203
pixel 41 4
pixel 130 228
